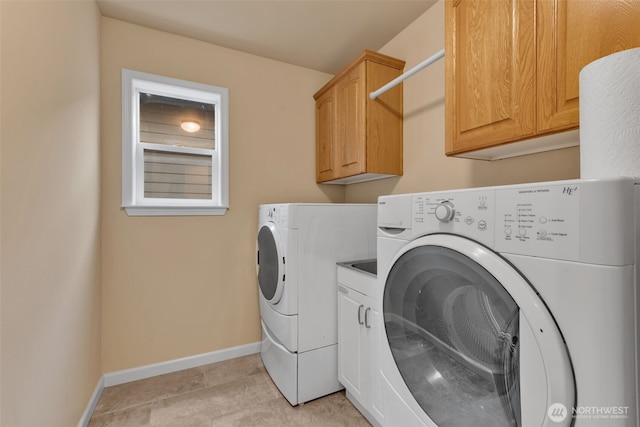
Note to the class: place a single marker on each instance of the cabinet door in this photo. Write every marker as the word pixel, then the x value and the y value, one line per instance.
pixel 351 122
pixel 571 34
pixel 373 348
pixel 351 308
pixel 490 73
pixel 326 136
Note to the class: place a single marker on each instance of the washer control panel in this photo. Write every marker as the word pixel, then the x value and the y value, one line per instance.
pixel 592 221
pixel 539 220
pixel 528 219
pixel 462 212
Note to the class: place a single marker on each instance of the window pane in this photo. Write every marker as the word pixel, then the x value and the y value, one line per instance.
pixel 165 120
pixel 176 175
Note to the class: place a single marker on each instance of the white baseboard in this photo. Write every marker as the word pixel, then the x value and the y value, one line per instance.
pixel 134 374
pixel 86 415
pixel 148 371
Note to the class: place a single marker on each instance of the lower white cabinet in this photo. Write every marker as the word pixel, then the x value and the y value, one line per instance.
pixel 354 342
pixel 357 320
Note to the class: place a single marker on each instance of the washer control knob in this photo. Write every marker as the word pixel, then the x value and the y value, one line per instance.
pixel 445 212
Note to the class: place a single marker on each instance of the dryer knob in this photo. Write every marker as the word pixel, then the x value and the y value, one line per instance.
pixel 445 212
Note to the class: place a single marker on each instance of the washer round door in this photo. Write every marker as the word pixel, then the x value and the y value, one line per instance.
pixel 472 341
pixel 271 273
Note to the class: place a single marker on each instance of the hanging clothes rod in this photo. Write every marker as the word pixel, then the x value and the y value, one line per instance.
pixel 424 64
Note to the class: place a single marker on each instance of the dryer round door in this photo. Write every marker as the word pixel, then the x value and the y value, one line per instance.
pixel 271 273
pixel 472 340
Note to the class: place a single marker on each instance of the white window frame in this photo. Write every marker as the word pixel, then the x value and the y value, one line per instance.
pixel 133 200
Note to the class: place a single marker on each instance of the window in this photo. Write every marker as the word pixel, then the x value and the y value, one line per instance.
pixel 174 146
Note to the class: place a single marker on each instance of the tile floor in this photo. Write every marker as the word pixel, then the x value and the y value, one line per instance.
pixel 236 392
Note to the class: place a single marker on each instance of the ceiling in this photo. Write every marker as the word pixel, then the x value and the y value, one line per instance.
pixel 323 35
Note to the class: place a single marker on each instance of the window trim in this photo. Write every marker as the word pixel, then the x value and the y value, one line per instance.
pixel 133 200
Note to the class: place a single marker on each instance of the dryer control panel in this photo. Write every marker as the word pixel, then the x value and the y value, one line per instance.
pixel 279 214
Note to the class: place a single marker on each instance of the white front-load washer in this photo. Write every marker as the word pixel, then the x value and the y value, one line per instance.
pixel 298 247
pixel 509 306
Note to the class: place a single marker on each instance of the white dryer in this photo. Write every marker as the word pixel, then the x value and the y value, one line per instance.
pixel 298 247
pixel 509 306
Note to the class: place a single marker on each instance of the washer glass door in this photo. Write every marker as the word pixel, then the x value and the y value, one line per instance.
pixel 453 331
pixel 271 273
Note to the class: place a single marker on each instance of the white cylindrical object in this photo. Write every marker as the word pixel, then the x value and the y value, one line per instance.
pixel 395 82
pixel 610 116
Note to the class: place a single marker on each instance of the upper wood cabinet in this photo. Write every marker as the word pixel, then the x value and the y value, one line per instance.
pixel 512 66
pixel 359 139
pixel 570 35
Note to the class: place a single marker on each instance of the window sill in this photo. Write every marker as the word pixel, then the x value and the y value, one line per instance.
pixel 175 210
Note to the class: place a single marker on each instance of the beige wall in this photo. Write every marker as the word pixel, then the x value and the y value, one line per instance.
pixel 426 168
pixel 50 213
pixel 180 286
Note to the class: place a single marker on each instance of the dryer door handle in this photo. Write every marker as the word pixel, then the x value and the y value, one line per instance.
pixel 360 322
